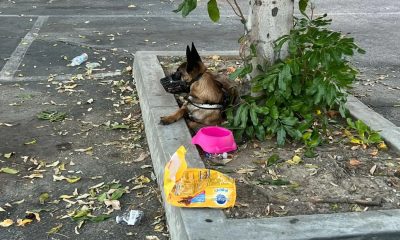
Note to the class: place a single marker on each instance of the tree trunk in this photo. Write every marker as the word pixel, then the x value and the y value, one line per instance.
pixel 268 20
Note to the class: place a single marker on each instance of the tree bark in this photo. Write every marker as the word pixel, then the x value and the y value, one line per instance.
pixel 268 20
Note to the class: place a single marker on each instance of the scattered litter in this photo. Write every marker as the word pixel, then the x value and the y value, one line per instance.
pixel 92 65
pixel 78 60
pixel 52 116
pixel 130 218
pixel 195 187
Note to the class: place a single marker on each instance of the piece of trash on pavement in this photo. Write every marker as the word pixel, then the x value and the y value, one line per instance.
pixel 78 60
pixel 92 65
pixel 195 187
pixel 130 218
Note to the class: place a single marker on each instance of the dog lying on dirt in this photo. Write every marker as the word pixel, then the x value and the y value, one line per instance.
pixel 207 95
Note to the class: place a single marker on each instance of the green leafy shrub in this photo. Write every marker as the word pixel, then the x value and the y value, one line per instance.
pixel 297 92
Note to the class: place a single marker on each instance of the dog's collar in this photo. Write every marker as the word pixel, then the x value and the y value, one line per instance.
pixel 204 105
pixel 197 78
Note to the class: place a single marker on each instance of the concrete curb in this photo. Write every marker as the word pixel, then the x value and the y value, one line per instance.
pixel 389 132
pixel 211 223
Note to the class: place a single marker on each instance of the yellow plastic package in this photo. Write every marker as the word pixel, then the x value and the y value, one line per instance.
pixel 195 187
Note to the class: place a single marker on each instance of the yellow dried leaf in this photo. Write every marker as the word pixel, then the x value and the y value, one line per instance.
pixel 6 223
pixel 2 209
pixel 70 86
pixel 54 164
pixel 66 196
pixel 294 161
pixel 382 146
pixel 347 133
pixel 73 180
pixel 33 141
pixel 355 140
pixel 84 149
pixel 23 222
pixel 8 155
pixel 55 229
pixel 34 175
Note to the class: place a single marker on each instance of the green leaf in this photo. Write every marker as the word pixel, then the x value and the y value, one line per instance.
pixel 250 131
pixel 236 120
pixel 253 116
pixel 102 197
pixel 213 11
pixel 9 170
pixel 43 197
pixel 244 115
pixel 274 112
pixel 302 6
pixel 281 136
pixel 260 132
pixel 99 218
pixel 361 51
pixel 117 194
pixel 186 7
pixel 273 159
pixel 277 182
pixel 290 121
pixel 375 137
pixel 236 73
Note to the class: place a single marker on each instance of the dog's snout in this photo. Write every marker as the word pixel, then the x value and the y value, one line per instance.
pixel 176 76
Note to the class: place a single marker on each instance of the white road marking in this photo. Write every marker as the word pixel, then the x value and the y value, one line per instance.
pixel 66 77
pixel 17 56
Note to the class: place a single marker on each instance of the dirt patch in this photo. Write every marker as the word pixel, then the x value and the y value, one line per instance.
pixel 273 181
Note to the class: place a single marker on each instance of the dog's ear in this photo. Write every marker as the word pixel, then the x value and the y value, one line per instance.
pixel 188 55
pixel 195 55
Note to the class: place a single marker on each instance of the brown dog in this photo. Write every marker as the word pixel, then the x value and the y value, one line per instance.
pixel 204 104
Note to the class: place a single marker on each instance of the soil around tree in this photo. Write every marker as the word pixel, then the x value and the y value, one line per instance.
pixel 274 181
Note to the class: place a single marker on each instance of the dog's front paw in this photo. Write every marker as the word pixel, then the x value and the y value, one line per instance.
pixel 165 121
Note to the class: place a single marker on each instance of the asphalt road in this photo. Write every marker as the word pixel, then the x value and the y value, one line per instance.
pixel 37 35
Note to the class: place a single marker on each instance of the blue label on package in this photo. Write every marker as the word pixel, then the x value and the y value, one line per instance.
pixel 221 199
pixel 199 198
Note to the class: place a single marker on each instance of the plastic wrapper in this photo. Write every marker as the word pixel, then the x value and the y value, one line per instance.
pixel 195 187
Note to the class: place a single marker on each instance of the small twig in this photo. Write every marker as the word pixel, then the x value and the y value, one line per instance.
pixel 263 192
pixel 61 235
pixel 233 8
pixel 375 202
pixel 238 11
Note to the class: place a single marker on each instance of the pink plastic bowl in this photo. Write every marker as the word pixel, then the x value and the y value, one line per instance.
pixel 215 140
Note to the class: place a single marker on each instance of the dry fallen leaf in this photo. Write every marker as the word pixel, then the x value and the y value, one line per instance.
pixel 9 170
pixel 2 209
pixel 8 155
pixel 115 204
pixel 34 175
pixel 142 157
pixel 31 215
pixel 372 170
pixel 23 222
pixel 382 146
pixel 6 223
pixel 294 161
pixel 354 162
pixel 54 164
pixel 55 229
pixel 246 170
pixel 152 237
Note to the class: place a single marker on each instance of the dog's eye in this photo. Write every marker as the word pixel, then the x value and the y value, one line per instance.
pixel 177 75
